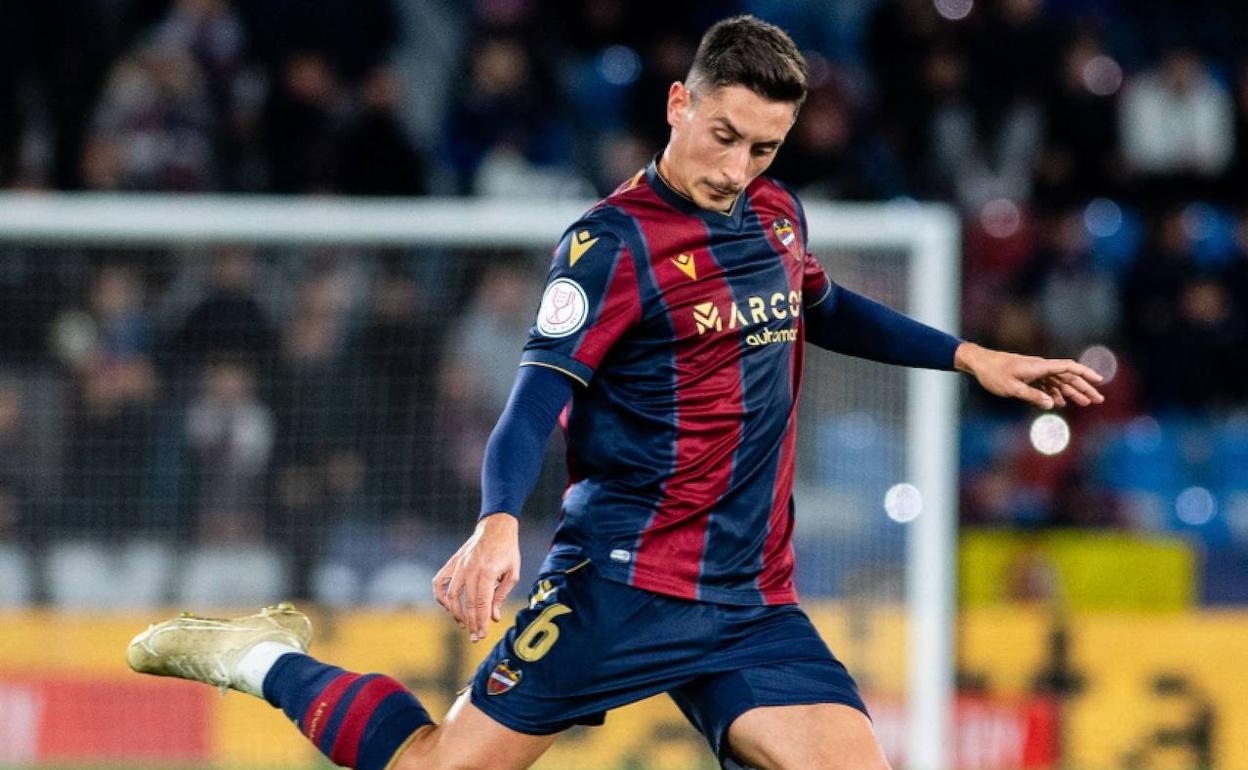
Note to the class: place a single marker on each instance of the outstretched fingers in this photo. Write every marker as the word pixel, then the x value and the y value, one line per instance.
pixel 1066 380
pixel 1034 395
pixel 1060 366
pixel 1055 391
pixel 1042 382
pixel 1063 392
pixel 1071 392
pixel 1083 386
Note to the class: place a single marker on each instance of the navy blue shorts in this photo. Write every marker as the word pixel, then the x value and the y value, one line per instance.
pixel 586 645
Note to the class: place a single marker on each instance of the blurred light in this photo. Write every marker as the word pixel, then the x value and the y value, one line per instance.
pixel 1102 218
pixel 1050 434
pixel 954 10
pixel 74 336
pixel 1199 220
pixel 1000 218
pixel 1101 360
pixel 1102 75
pixel 1143 435
pixel 1195 506
pixel 619 65
pixel 903 502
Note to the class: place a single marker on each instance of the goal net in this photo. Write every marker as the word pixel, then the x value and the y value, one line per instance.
pixel 216 403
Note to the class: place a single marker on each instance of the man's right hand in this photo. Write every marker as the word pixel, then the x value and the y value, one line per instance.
pixel 474 583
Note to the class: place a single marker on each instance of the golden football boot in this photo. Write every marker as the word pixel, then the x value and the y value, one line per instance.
pixel 208 649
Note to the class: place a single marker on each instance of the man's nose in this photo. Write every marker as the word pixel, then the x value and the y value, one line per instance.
pixel 736 168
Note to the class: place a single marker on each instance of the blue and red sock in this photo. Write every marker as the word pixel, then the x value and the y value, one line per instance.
pixel 358 721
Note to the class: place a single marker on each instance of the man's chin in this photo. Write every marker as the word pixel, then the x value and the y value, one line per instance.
pixel 714 201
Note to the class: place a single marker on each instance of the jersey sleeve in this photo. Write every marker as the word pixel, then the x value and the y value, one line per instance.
pixel 816 286
pixel 591 299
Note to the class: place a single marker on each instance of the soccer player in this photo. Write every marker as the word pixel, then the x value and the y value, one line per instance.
pixel 670 338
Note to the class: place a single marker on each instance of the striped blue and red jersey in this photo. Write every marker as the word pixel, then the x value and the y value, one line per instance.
pixel 685 328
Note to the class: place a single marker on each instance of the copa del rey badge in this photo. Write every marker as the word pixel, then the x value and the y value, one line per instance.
pixel 564 308
pixel 503 678
pixel 783 228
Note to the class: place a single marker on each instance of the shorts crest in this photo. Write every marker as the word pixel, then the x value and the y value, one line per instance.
pixel 503 678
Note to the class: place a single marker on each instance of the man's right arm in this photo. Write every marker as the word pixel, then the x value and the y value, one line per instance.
pixel 513 455
pixel 487 566
pixel 591 299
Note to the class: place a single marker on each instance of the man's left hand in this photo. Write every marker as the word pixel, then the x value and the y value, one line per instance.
pixel 1044 382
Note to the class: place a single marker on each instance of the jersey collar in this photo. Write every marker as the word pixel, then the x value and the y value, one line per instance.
pixel 679 202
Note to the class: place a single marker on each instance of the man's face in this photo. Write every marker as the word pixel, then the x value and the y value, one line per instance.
pixel 721 140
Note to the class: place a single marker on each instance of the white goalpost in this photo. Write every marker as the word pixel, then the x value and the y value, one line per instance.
pixel 925 235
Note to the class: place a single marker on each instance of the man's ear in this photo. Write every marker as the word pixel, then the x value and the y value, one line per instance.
pixel 678 102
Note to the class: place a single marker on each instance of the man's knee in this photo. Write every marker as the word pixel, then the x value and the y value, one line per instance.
pixel 432 748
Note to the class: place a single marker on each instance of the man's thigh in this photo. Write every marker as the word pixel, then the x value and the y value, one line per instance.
pixel 467 739
pixel 821 736
pixel 716 704
pixel 768 657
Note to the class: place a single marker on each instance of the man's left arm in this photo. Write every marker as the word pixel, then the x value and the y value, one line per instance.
pixel 845 322
pixel 849 323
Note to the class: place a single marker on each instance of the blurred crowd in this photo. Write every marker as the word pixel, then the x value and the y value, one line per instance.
pixel 1097 150
pixel 322 403
pixel 204 95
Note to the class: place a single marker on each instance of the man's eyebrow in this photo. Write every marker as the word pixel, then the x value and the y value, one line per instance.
pixel 728 125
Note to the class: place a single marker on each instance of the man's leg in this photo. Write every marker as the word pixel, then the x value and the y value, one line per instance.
pixel 467 738
pixel 366 722
pixel 823 736
pixel 786 703
pixel 372 723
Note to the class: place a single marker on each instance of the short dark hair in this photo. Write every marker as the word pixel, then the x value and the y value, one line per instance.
pixel 746 51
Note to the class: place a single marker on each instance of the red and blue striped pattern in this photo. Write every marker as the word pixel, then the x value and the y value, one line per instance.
pixel 358 721
pixel 681 447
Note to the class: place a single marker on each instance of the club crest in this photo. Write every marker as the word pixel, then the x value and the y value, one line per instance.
pixel 503 678
pixel 783 228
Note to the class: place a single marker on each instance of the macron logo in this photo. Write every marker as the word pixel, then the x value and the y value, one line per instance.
pixel 706 317
pixel 709 317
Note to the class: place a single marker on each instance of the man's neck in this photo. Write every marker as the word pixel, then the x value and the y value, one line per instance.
pixel 664 167
pixel 665 173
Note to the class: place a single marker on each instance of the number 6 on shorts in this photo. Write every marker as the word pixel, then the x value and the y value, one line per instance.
pixel 541 634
